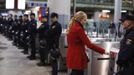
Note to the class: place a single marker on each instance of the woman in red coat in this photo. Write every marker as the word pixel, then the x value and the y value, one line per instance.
pixel 77 59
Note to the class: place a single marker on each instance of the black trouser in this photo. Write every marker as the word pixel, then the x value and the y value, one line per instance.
pixel 54 64
pixel 33 48
pixel 77 72
pixel 126 70
pixel 43 54
pixel 25 45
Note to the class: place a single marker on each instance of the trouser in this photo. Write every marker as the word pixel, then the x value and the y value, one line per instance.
pixel 77 72
pixel 43 54
pixel 126 70
pixel 54 64
pixel 33 48
pixel 25 46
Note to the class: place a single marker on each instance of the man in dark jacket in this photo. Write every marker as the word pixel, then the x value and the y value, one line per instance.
pixel 53 36
pixel 32 31
pixel 25 31
pixel 126 54
pixel 43 51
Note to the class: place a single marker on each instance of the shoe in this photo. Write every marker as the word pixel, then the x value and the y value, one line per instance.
pixel 31 57
pixel 24 52
pixel 41 64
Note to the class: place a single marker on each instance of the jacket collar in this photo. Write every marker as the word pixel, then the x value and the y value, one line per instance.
pixel 129 30
pixel 80 24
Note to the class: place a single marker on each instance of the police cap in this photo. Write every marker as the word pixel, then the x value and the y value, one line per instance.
pixel 127 17
pixel 26 15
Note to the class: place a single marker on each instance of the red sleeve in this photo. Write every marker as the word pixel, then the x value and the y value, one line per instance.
pixel 88 43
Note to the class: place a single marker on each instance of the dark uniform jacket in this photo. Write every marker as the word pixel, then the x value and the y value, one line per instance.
pixel 42 30
pixel 126 53
pixel 33 28
pixel 53 34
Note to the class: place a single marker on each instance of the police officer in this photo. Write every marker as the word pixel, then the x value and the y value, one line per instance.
pixel 19 32
pixel 43 51
pixel 126 54
pixel 9 26
pixel 26 36
pixel 14 30
pixel 32 30
pixel 53 36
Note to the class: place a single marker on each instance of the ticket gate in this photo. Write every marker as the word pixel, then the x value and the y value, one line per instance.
pixel 100 63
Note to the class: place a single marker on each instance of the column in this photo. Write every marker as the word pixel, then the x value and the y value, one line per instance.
pixel 117 10
pixel 117 16
pixel 62 7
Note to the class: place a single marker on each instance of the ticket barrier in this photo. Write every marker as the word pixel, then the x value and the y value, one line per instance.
pixel 100 64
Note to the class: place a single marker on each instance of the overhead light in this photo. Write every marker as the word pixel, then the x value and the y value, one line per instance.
pixel 9 4
pixel 105 11
pixel 124 11
pixel 21 4
pixel 27 12
pixel 37 8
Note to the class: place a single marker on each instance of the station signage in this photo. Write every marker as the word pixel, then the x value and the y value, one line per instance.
pixel 36 3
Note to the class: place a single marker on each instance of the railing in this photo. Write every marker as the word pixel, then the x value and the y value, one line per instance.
pixel 104 2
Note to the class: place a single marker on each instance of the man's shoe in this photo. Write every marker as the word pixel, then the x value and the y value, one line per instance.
pixel 31 57
pixel 41 64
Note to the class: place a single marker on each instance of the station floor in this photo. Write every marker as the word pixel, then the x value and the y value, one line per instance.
pixel 13 62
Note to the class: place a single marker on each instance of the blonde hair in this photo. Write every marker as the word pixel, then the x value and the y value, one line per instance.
pixel 77 17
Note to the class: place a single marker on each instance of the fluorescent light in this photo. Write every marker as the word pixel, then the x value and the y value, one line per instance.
pixel 21 4
pixel 124 11
pixel 37 8
pixel 105 11
pixel 9 4
pixel 27 12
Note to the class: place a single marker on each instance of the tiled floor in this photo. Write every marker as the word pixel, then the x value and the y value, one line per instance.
pixel 13 62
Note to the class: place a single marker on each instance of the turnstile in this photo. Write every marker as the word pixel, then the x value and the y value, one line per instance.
pixel 100 63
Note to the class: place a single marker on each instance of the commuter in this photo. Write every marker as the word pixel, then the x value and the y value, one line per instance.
pixel 77 39
pixel 53 36
pixel 43 51
pixel 126 54
pixel 32 30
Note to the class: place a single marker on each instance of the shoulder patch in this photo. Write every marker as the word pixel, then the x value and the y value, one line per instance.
pixel 53 27
pixel 129 41
pixel 33 24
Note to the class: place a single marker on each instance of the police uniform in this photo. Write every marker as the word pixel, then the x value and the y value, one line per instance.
pixel 53 36
pixel 126 53
pixel 43 52
pixel 32 30
pixel 26 36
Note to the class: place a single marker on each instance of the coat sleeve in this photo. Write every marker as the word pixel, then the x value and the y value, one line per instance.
pixel 88 43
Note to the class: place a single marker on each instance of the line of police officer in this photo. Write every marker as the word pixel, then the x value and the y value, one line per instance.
pixel 23 32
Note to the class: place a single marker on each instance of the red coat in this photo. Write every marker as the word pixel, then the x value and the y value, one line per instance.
pixel 77 39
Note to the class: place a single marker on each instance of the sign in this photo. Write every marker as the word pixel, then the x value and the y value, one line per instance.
pixel 35 4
